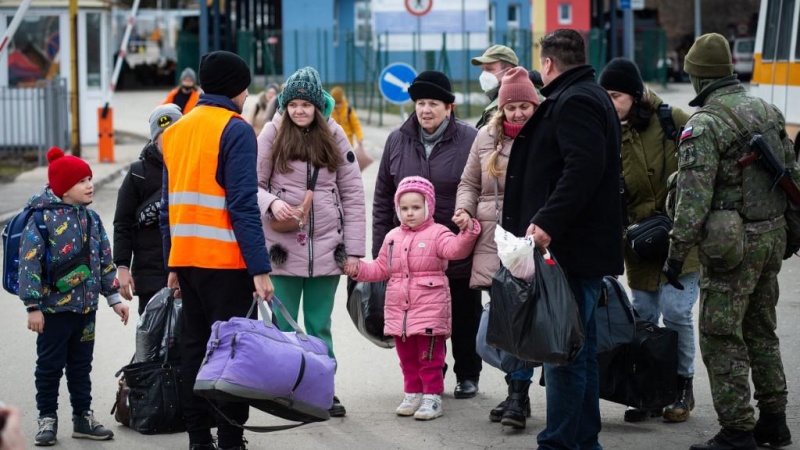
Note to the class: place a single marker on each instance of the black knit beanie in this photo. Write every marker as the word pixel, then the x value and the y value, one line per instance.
pixel 224 73
pixel 433 85
pixel 622 75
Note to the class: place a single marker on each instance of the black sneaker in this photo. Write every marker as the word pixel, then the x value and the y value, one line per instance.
pixel 48 428
pixel 337 410
pixel 85 426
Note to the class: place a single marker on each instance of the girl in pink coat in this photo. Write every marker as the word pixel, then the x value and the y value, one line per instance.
pixel 417 311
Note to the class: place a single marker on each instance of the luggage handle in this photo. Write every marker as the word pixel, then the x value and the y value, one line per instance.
pixel 266 314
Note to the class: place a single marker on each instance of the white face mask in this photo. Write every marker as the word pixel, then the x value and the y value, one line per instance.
pixel 488 81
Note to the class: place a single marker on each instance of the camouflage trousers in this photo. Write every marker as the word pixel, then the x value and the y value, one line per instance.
pixel 737 332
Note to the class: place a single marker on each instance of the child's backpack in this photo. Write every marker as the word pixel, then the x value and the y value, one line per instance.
pixel 12 235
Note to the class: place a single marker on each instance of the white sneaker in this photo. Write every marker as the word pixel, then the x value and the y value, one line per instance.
pixel 431 407
pixel 410 404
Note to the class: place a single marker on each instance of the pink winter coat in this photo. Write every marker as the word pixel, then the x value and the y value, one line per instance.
pixel 337 227
pixel 418 293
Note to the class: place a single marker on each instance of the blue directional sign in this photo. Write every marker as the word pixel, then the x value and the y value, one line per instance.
pixel 394 82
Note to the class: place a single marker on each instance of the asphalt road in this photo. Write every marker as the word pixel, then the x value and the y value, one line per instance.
pixel 369 382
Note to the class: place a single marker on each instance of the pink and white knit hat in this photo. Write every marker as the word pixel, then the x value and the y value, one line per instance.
pixel 421 186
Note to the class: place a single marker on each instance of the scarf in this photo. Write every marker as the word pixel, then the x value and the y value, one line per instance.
pixel 512 129
pixel 429 140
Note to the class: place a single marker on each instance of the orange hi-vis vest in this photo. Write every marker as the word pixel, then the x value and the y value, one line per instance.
pixel 190 104
pixel 200 226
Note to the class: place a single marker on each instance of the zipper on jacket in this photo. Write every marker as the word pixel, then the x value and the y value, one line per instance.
pixel 310 223
pixel 336 203
pixel 405 316
pixel 89 256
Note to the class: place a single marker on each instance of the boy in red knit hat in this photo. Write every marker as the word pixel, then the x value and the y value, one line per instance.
pixel 60 282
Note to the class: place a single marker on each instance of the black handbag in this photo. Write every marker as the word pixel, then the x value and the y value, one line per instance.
pixel 365 301
pixel 649 238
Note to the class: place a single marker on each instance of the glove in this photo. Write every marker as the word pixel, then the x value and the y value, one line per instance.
pixel 791 249
pixel 672 270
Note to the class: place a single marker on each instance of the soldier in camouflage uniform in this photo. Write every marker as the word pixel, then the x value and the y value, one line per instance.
pixel 731 211
pixel 494 62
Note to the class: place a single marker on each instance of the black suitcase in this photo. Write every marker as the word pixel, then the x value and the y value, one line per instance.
pixel 643 373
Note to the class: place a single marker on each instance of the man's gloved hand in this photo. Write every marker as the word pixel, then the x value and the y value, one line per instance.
pixel 791 249
pixel 672 270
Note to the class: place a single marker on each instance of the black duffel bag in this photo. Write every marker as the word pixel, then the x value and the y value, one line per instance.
pixel 649 238
pixel 642 373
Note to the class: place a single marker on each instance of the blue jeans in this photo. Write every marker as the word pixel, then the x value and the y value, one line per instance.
pixel 573 393
pixel 675 307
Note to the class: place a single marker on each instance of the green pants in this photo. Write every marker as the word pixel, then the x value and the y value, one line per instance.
pixel 737 333
pixel 318 294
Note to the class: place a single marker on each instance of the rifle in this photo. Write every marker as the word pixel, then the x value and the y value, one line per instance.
pixel 775 167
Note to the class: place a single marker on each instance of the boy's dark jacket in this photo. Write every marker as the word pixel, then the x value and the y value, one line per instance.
pixel 67 227
pixel 143 244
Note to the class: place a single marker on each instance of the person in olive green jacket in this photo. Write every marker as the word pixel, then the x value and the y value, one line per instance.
pixel 648 158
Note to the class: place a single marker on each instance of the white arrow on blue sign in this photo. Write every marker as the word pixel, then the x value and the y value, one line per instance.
pixel 394 82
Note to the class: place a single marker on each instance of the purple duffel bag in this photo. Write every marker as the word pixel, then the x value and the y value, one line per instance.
pixel 286 374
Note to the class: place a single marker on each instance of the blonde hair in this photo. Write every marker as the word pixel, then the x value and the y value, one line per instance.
pixel 499 140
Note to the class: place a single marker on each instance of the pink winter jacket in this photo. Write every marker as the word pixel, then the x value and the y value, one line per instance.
pixel 337 227
pixel 418 294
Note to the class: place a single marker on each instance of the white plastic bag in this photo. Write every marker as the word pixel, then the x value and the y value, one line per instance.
pixel 515 253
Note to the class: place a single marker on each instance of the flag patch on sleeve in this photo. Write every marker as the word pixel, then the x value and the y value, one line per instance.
pixel 687 133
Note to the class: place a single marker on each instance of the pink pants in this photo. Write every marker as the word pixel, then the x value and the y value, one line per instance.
pixel 422 360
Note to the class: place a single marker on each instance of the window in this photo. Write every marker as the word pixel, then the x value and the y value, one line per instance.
pixel 778 33
pixel 363 22
pixel 513 16
pixel 565 14
pixel 93 53
pixel 33 52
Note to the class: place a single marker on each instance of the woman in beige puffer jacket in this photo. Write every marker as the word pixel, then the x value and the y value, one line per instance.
pixel 480 192
pixel 480 195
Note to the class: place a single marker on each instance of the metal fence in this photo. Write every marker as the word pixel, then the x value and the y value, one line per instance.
pixel 33 119
pixel 354 60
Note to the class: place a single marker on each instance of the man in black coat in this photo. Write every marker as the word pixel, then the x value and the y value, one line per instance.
pixel 562 187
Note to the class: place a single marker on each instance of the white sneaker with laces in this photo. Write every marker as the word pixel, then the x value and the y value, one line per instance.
pixel 410 404
pixel 431 407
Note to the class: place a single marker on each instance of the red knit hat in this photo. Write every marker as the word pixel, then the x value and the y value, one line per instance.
pixel 420 186
pixel 65 171
pixel 516 86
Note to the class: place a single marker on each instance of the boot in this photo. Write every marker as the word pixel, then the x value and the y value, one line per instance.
pixel 771 429
pixel 728 439
pixel 633 414
pixel 519 404
pixel 496 414
pixel 680 410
